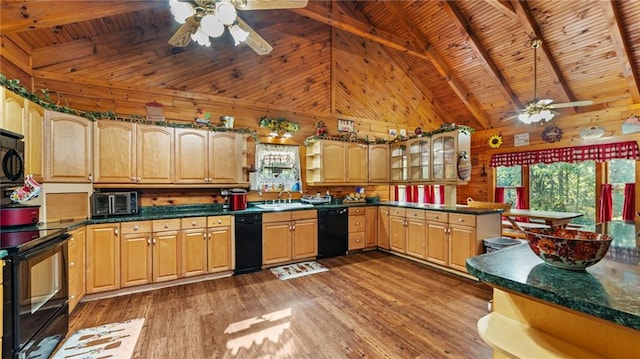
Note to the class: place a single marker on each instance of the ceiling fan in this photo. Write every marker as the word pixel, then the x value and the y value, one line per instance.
pixel 203 19
pixel 542 109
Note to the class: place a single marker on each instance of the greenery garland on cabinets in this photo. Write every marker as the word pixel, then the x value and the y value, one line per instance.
pixel 46 103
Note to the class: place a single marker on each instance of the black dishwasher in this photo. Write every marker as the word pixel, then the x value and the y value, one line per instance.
pixel 333 232
pixel 248 243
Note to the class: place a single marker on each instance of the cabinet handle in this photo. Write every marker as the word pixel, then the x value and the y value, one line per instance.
pixel 166 225
pixel 460 220
pixel 219 221
pixel 90 177
pixel 138 179
pixel 149 240
pixel 135 228
pixel 133 179
pixel 357 241
pixel 71 264
pixel 154 241
pixel 294 227
pixel 72 297
pixel 193 223
pixel 115 231
pixel 357 223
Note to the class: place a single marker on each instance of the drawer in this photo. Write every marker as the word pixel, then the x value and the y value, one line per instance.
pixel 276 217
pixel 436 216
pixel 166 225
pixel 218 221
pixel 193 222
pixel 307 214
pixel 395 211
pixel 73 260
pixel 356 240
pixel 415 213
pixel 357 223
pixel 462 219
pixel 135 227
pixel 354 211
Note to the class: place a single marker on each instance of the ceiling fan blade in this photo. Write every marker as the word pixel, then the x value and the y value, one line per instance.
pixel 182 36
pixel 254 41
pixel 544 102
pixel 571 104
pixel 269 4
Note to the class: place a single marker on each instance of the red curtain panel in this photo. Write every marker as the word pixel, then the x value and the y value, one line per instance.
pixel 499 195
pixel 521 203
pixel 629 206
pixel 428 194
pixel 441 199
pixel 605 206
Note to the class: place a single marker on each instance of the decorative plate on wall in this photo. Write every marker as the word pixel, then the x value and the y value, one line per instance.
pixel 591 133
pixel 495 141
pixel 552 134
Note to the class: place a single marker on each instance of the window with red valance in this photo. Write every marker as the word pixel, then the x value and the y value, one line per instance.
pixel 599 153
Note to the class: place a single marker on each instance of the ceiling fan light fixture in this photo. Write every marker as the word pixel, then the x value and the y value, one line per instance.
pixel 226 12
pixel 238 34
pixel 181 10
pixel 201 38
pixel 211 25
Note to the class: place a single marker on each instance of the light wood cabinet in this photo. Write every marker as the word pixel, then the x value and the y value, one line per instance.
pixel 398 230
pixel 76 266
pixel 68 149
pixel 378 163
pixel 195 240
pixel 437 237
pixel 220 244
pixel 34 140
pixel 208 157
pixel 12 111
pixel 416 233
pixel 136 253
pixel 371 227
pixel 445 148
pixel 289 235
pixel 398 170
pixel 156 154
pixel 103 258
pixel 357 227
pixel 419 159
pixel 326 162
pixel 166 254
pixel 463 241
pixel 114 152
pixel 357 162
pixel 383 227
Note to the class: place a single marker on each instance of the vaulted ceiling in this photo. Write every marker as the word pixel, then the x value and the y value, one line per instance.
pixel 471 61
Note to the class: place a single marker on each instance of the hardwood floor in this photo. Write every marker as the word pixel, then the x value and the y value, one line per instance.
pixel 368 305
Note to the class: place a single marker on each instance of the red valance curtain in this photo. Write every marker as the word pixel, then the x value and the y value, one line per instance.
pixel 499 195
pixel 605 203
pixel 629 206
pixel 599 153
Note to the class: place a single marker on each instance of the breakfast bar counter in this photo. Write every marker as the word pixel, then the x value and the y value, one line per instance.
pixel 592 311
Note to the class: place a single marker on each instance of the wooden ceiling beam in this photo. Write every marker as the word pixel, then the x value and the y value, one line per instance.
pixel 490 67
pixel 36 14
pixel 504 6
pixel 623 50
pixel 553 70
pixel 444 71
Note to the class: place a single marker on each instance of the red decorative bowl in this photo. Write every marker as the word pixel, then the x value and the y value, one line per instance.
pixel 568 248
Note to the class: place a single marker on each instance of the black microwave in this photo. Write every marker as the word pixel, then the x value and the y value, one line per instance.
pixel 114 203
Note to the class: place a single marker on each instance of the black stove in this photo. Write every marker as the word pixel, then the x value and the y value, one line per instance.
pixel 23 238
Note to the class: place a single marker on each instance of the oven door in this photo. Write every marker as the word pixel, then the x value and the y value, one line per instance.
pixel 41 288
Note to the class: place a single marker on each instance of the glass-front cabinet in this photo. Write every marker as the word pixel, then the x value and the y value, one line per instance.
pixel 398 162
pixel 419 159
pixel 278 168
pixel 446 148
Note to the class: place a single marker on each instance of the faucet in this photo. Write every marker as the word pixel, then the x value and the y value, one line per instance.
pixel 280 194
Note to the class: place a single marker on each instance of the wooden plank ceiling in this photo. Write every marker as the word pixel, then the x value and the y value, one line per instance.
pixel 466 62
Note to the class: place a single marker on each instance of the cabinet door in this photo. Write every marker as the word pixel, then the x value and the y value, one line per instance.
pixel 437 243
pixel 194 252
pixel 135 257
pixel 378 163
pixel 219 250
pixel 356 163
pixel 225 162
pixel 397 234
pixel 371 214
pixel 69 148
pixel 77 244
pixel 114 152
pixel 33 141
pixel 305 238
pixel 12 111
pixel 463 246
pixel 191 156
pixel 276 242
pixel 166 256
pixel 103 258
pixel 398 170
pixel 383 228
pixel 416 238
pixel 445 158
pixel 156 155
pixel 419 159
pixel 333 162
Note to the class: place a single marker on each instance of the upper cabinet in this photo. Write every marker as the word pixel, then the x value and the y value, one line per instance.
pixel 205 157
pixel 12 111
pixel 33 140
pixel 398 161
pixel 68 148
pixel 378 163
pixel 337 162
pixel 445 148
pixel 419 159
pixel 357 155
pixel 155 154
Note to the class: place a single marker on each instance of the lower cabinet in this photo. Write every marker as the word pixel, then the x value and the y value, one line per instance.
pixel 135 253
pixel 383 227
pixel 287 236
pixel 206 245
pixel 219 244
pixel 397 230
pixel 463 240
pixel 357 226
pixel 416 233
pixel 103 257
pixel 371 227
pixel 165 252
pixel 76 266
pixel 438 237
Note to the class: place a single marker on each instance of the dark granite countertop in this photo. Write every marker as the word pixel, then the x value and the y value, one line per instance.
pixel 440 207
pixel 610 289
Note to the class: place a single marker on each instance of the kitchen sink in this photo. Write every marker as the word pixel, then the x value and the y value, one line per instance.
pixel 283 206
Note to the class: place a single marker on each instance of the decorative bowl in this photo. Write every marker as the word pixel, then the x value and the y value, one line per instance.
pixel 568 248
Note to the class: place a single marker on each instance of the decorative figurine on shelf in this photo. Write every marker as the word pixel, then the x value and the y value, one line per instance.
pixel 202 118
pixel 321 129
pixel 418 131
